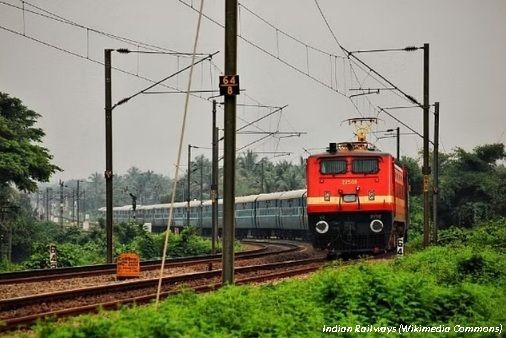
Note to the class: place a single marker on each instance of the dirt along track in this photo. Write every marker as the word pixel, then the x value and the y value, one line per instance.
pixel 44 281
pixel 28 276
pixel 70 296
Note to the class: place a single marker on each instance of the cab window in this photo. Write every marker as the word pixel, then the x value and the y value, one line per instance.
pixel 333 166
pixel 365 166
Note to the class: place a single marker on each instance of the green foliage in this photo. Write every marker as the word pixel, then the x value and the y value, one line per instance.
pixel 255 176
pixel 188 243
pixel 78 247
pixel 491 234
pixel 453 285
pixel 473 255
pixel 381 295
pixel 126 232
pixel 7 266
pixel 68 254
pixel 148 246
pixel 456 264
pixel 473 185
pixel 415 178
pixel 75 246
pixel 415 215
pixel 22 162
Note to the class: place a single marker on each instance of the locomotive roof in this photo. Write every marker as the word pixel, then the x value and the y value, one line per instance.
pixel 354 153
pixel 360 149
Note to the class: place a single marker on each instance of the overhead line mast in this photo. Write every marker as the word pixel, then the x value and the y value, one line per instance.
pixel 230 133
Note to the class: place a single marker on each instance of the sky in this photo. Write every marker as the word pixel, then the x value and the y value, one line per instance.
pixel 287 56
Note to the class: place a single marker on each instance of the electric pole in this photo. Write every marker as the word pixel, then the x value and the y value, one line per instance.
pixel 108 152
pixel 73 204
pixel 188 187
pixel 47 204
pixel 201 219
pixel 426 168
pixel 61 202
pixel 435 197
pixel 77 206
pixel 398 144
pixel 214 184
pixel 230 132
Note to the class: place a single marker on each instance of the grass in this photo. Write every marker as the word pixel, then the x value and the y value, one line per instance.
pixel 442 286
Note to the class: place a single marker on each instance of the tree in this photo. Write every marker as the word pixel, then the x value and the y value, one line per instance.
pixel 415 178
pixel 473 185
pixel 22 160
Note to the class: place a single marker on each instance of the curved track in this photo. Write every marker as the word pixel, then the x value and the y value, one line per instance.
pixel 26 309
pixel 98 269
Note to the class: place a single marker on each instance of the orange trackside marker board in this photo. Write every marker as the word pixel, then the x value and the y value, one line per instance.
pixel 128 265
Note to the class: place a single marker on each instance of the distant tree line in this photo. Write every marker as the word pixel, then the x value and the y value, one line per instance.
pixel 254 175
pixel 472 186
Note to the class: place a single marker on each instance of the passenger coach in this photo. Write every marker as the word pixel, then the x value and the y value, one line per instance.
pixel 279 214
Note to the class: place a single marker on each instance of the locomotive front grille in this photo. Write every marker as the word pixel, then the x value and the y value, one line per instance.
pixel 350 232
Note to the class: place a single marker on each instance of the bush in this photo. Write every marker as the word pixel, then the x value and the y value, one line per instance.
pixel 490 234
pixel 188 243
pixel 148 246
pixel 68 254
pixel 379 295
pixel 453 265
pixel 6 266
pixel 408 291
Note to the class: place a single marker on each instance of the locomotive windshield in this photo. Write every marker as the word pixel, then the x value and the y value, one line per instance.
pixel 365 166
pixel 333 166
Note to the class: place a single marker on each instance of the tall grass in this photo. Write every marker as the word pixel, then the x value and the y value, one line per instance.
pixel 462 283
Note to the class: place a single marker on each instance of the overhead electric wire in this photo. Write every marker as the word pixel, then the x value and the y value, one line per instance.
pixel 256 141
pixel 47 44
pixel 404 95
pixel 258 105
pixel 295 68
pixel 55 17
pixel 409 97
pixel 271 54
pixel 280 109
pixel 394 90
pixel 165 79
pixel 404 124
pixel 58 18
pixel 288 35
pixel 405 49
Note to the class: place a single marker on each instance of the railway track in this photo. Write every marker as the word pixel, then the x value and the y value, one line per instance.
pixel 25 310
pixel 25 276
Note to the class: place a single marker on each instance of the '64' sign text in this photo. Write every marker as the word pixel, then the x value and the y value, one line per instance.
pixel 229 85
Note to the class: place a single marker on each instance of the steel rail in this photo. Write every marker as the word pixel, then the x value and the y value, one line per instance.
pixel 202 278
pixel 311 265
pixel 26 321
pixel 27 276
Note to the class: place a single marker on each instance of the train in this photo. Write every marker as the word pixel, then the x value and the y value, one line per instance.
pixel 279 214
pixel 357 199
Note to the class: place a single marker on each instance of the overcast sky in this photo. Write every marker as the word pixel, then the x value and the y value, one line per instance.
pixel 297 63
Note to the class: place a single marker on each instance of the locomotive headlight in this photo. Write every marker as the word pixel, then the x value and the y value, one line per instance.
pixel 376 225
pixel 322 227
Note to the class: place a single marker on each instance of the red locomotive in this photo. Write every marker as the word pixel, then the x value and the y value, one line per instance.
pixel 357 198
